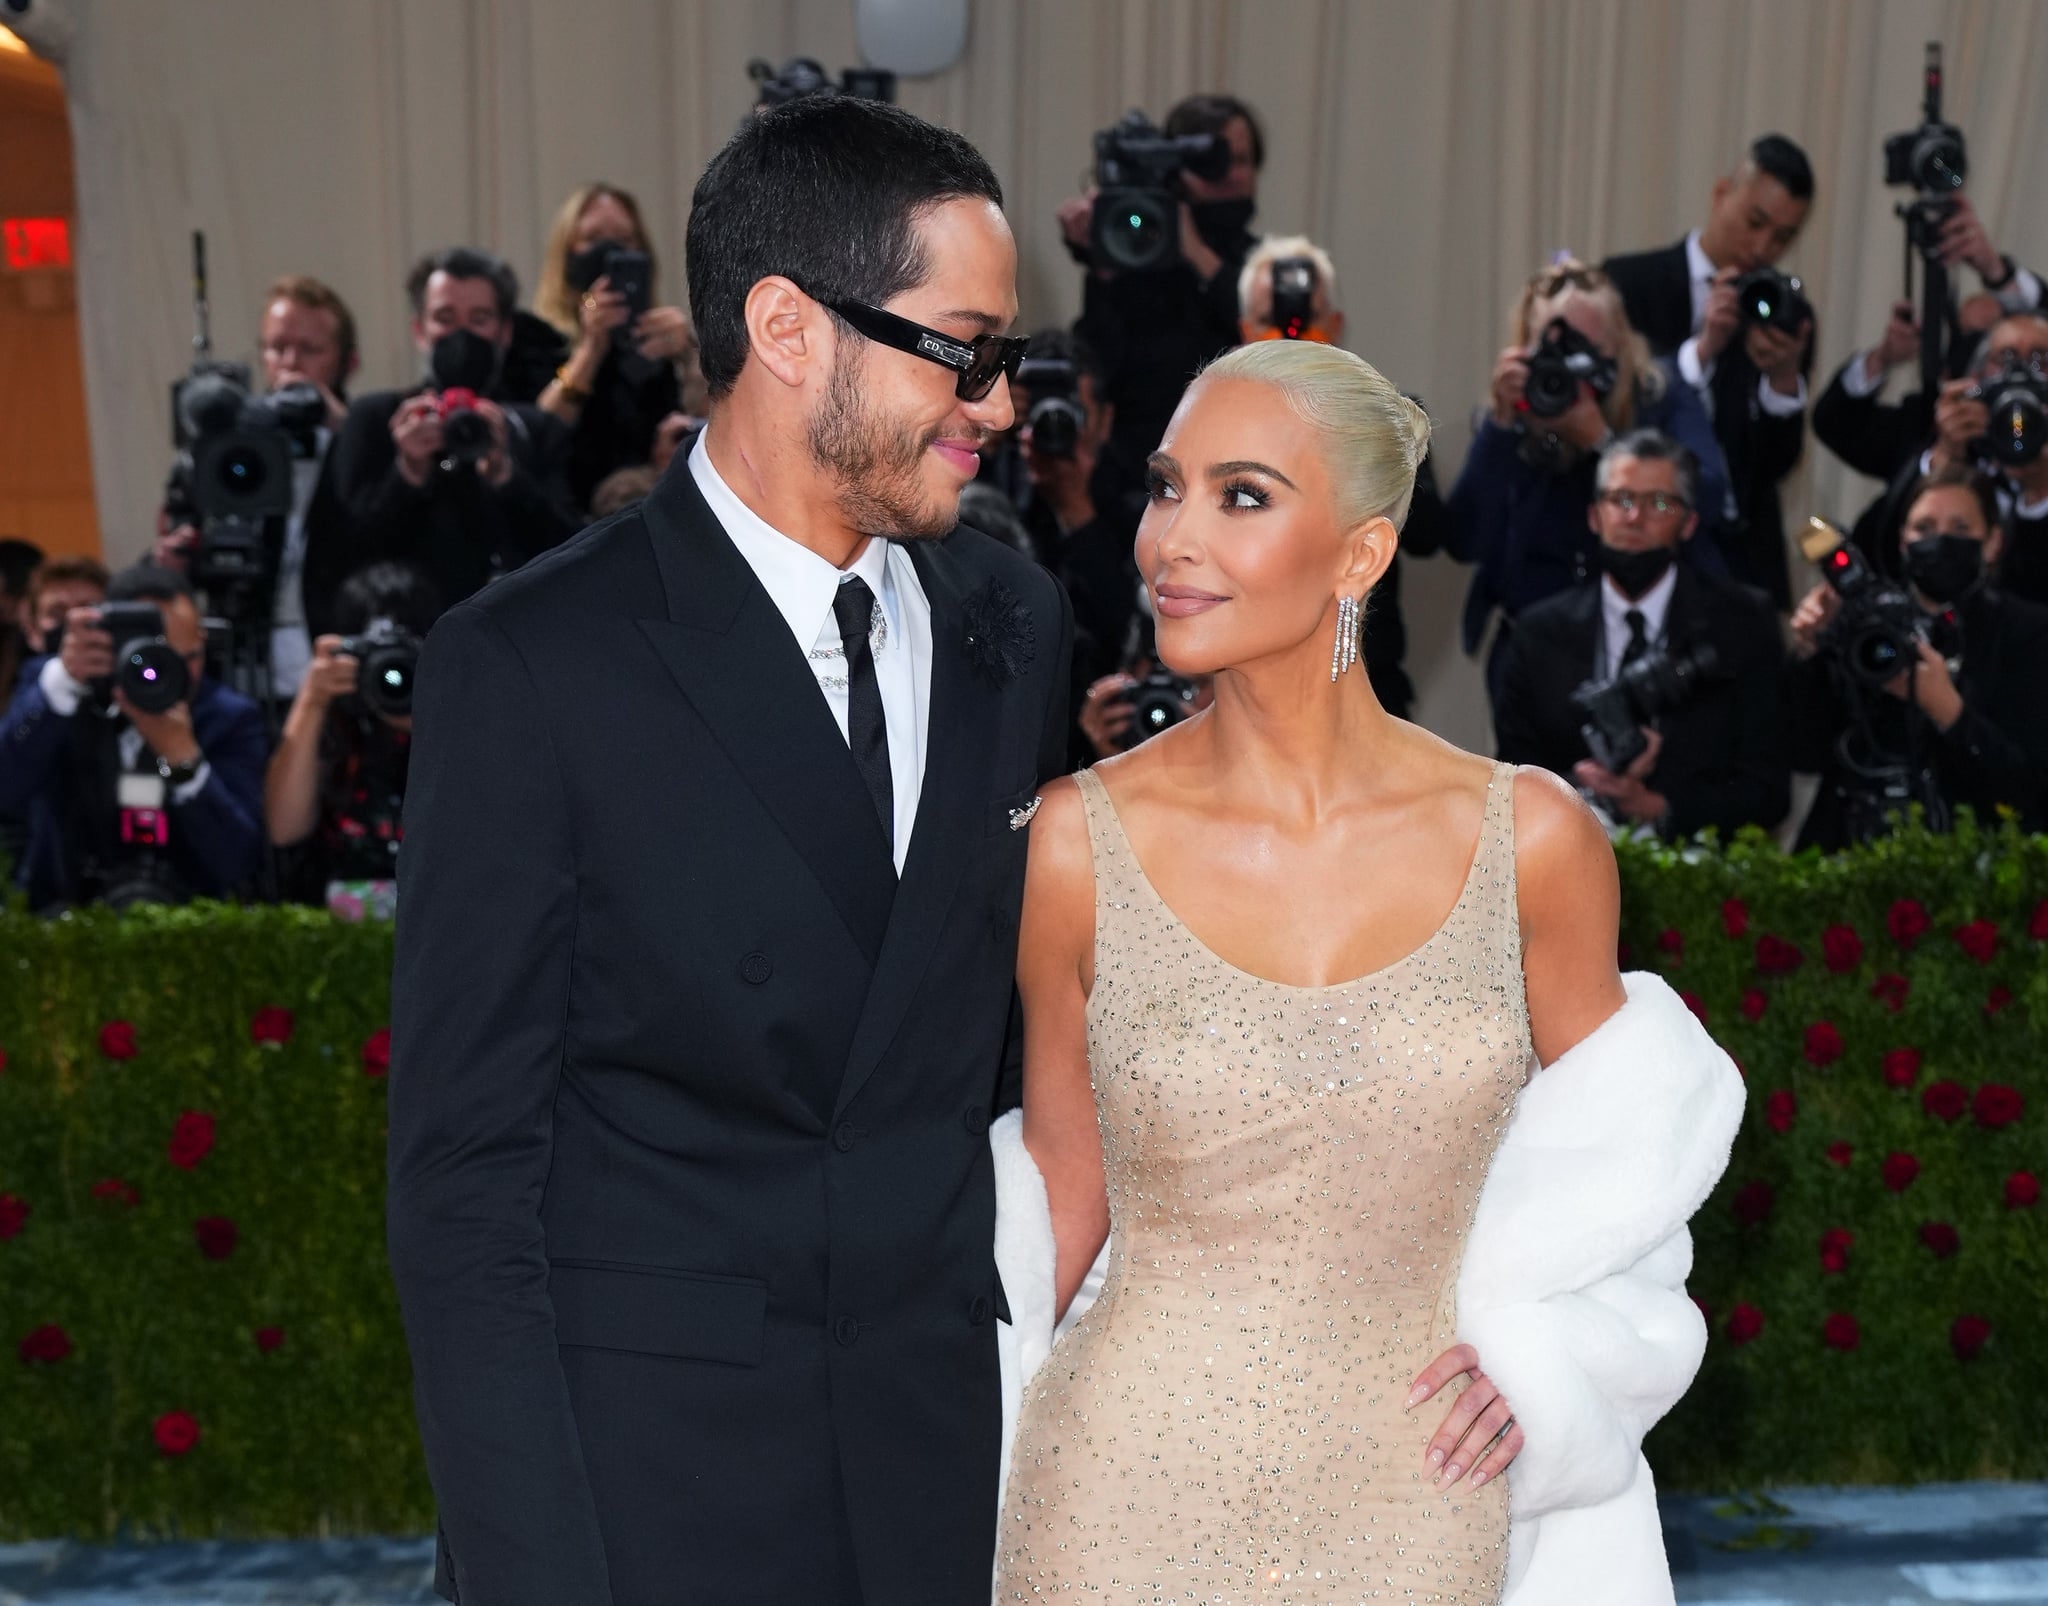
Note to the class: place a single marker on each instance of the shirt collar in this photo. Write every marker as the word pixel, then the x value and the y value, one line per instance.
pixel 800 583
pixel 1696 263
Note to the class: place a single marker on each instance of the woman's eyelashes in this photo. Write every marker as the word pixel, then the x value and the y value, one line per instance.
pixel 1236 495
pixel 1158 488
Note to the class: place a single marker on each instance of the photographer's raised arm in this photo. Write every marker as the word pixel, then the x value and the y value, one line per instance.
pixel 388 510
pixel 479 1019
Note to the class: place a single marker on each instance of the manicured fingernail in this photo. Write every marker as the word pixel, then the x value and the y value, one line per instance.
pixel 1436 1458
pixel 1416 1396
pixel 1478 1478
pixel 1451 1473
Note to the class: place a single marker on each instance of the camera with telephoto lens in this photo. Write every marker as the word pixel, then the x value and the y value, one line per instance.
pixel 147 668
pixel 388 661
pixel 1161 699
pixel 1769 299
pixel 1135 227
pixel 2016 396
pixel 1616 709
pixel 1057 417
pixel 800 76
pixel 1294 296
pixel 234 470
pixel 1562 361
pixel 1876 633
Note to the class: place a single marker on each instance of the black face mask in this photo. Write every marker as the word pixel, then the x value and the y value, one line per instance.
pixel 1945 568
pixel 584 268
pixel 1635 572
pixel 463 360
pixel 1222 224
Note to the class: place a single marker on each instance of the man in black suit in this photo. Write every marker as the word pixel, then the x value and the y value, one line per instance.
pixel 715 838
pixel 1752 379
pixel 411 490
pixel 1717 757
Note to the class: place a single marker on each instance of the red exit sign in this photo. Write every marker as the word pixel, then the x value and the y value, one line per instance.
pixel 36 242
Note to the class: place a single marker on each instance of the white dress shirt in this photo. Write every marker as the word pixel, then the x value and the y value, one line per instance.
pixel 1700 375
pixel 802 586
pixel 1653 605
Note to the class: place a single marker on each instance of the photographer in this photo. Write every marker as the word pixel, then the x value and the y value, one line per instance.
pixel 2013 366
pixel 307 337
pixel 1307 308
pixel 1152 330
pixel 1576 375
pixel 129 803
pixel 609 357
pixel 1932 696
pixel 1694 656
pixel 335 790
pixel 441 475
pixel 1742 336
pixel 1123 708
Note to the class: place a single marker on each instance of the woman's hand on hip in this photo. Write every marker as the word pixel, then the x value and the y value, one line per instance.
pixel 1480 1435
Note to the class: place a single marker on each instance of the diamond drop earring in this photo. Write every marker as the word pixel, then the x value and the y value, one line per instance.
pixel 1345 653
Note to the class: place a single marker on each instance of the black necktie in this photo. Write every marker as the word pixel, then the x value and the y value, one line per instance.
pixel 1638 642
pixel 867 733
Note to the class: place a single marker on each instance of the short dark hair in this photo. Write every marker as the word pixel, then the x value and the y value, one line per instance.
pixel 18 560
pixel 1777 157
pixel 1966 477
pixel 1654 446
pixel 826 190
pixel 1212 114
pixel 400 592
pixel 75 570
pixel 149 582
pixel 1063 345
pixel 463 262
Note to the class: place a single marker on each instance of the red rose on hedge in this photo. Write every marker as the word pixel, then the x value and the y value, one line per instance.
pixel 1735 917
pixel 176 1432
pixel 268 1338
pixel 117 1040
pixel 1753 1202
pixel 377 1052
pixel 1696 1004
pixel 1978 939
pixel 270 1024
pixel 1945 1101
pixel 1839 1153
pixel 2037 928
pixel 1779 1109
pixel 13 1215
pixel 1753 1005
pixel 114 1190
pixel 1890 991
pixel 1901 1067
pixel 2022 1189
pixel 1940 1237
pixel 1841 950
pixel 48 1343
pixel 191 1139
pixel 1907 921
pixel 1899 1171
pixel 1744 1323
pixel 1839 1331
pixel 1998 1105
pixel 1671 941
pixel 1835 1245
pixel 1968 1335
pixel 216 1235
pixel 1777 957
pixel 1997 999
pixel 1823 1043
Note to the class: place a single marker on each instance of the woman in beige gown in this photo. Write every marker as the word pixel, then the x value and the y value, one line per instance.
pixel 1284 969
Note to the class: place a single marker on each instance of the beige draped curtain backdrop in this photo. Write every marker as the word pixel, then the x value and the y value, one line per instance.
pixel 1440 150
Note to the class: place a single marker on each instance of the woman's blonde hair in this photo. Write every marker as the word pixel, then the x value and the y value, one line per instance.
pixel 1637 376
pixel 1374 438
pixel 552 297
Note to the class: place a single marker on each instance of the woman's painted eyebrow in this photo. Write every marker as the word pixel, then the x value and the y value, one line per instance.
pixel 1160 463
pixel 1245 465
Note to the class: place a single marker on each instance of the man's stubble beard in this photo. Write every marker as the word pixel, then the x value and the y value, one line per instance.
pixel 878 471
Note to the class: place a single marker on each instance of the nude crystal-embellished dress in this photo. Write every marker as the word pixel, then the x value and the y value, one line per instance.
pixel 1292 1172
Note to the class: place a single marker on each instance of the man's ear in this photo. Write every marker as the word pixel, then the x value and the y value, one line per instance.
pixel 787 332
pixel 419 335
pixel 1689 528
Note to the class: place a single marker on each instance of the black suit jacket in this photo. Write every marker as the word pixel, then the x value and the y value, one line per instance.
pixel 1724 761
pixel 691 1204
pixel 461 531
pixel 1761 448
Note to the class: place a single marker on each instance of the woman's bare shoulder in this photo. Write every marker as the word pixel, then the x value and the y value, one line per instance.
pixel 1560 845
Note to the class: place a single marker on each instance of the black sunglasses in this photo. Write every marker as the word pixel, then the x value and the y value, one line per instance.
pixel 980 362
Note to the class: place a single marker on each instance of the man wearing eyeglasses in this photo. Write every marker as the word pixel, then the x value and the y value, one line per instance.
pixel 1714 752
pixel 715 841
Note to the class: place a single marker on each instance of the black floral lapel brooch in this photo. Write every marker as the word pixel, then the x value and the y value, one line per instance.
pixel 1002 638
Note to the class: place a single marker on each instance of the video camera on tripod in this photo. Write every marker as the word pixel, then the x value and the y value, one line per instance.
pixel 1933 161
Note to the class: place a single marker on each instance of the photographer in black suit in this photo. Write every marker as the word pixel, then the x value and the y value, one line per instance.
pixel 441 475
pixel 1751 375
pixel 1714 756
pixel 715 839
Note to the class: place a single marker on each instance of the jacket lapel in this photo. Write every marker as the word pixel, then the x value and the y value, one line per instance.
pixel 730 651
pixel 960 744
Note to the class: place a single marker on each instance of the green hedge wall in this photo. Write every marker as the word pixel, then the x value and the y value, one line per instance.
pixel 205 1341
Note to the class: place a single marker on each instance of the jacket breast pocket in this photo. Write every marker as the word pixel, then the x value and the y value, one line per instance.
pixel 652 1310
